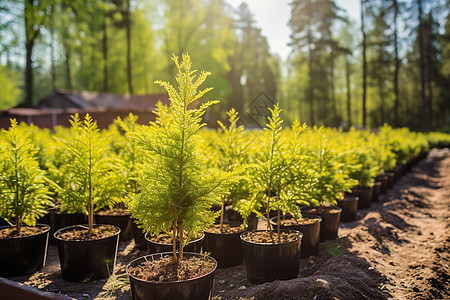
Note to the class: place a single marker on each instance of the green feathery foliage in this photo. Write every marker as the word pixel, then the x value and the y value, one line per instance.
pixel 331 177
pixel 230 147
pixel 177 187
pixel 23 185
pixel 278 171
pixel 95 177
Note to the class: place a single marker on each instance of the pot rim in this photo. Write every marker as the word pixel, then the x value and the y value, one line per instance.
pixel 87 241
pixel 161 254
pixel 30 236
pixel 190 242
pixel 300 236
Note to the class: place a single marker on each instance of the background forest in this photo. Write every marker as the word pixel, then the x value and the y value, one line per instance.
pixel 391 66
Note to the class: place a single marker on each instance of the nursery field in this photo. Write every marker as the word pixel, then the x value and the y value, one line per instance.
pixel 399 248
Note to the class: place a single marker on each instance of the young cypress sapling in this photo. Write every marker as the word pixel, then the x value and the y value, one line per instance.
pixel 23 185
pixel 177 188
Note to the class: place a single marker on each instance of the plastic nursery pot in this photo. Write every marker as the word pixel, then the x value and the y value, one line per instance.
pixel 384 182
pixel 58 220
pixel 193 246
pixel 391 179
pixel 376 190
pixel 87 260
pixel 310 230
pixel 398 172
pixel 349 206
pixel 330 215
pixel 199 288
pixel 268 262
pixel 139 237
pixel 23 255
pixel 226 248
pixel 123 221
pixel 365 196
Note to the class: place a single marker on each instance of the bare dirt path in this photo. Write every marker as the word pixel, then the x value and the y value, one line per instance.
pixel 397 249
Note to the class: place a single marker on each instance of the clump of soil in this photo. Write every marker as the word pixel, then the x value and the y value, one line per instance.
pixel 166 270
pixel 11 232
pixel 81 233
pixel 226 229
pixel 270 237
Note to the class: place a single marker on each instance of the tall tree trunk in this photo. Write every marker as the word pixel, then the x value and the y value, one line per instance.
pixel 129 67
pixel 68 55
pixel 333 92
pixel 311 81
pixel 423 106
pixel 349 100
pixel 52 46
pixel 105 57
pixel 364 66
pixel 397 67
pixel 30 37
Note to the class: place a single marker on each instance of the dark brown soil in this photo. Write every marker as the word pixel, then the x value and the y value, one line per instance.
pixel 399 248
pixel 322 209
pixel 116 212
pixel 165 270
pixel 163 238
pixel 81 233
pixel 226 229
pixel 11 232
pixel 293 222
pixel 270 237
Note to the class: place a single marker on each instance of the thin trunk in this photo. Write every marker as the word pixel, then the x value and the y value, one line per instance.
pixel 105 57
pixel 222 213
pixel 364 66
pixel 423 107
pixel 349 100
pixel 29 73
pixel 181 235
pixel 333 92
pixel 174 242
pixel 397 67
pixel 129 67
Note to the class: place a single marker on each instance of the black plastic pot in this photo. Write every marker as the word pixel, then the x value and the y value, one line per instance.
pixel 268 262
pixel 349 206
pixel 87 260
pixel 123 221
pixel 193 246
pixel 58 220
pixel 330 215
pixel 391 179
pixel 23 255
pixel 364 195
pixel 226 248
pixel 384 182
pixel 200 288
pixel 311 234
pixel 376 190
pixel 139 237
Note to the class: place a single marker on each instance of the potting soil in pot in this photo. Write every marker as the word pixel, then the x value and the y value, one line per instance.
pixel 81 234
pixel 165 270
pixel 11 232
pixel 268 237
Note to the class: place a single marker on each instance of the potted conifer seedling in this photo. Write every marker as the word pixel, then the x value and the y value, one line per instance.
pixel 331 182
pixel 307 224
pixel 268 254
pixel 24 196
pixel 177 190
pixel 94 181
pixel 223 240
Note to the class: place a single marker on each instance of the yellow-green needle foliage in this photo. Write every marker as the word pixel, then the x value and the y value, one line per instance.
pixel 23 189
pixel 177 187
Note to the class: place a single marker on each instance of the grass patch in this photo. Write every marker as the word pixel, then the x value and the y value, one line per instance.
pixel 337 247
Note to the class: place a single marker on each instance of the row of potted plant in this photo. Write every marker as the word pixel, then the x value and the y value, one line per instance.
pixel 170 174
